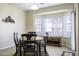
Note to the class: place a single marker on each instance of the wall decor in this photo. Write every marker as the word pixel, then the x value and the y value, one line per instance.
pixel 8 20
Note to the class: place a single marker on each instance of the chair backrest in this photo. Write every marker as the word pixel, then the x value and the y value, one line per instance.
pixel 33 38
pixel 16 38
pixel 31 32
pixel 27 37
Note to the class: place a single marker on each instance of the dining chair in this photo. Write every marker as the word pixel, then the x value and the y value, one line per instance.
pixel 29 46
pixel 17 42
pixel 33 38
pixel 43 44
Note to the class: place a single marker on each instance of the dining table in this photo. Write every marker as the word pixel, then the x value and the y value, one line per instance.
pixel 38 40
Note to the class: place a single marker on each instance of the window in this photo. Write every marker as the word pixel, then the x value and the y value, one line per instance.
pixel 38 24
pixel 67 24
pixel 56 25
pixel 48 25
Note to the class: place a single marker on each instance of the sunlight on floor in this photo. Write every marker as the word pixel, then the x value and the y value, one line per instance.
pixel 56 51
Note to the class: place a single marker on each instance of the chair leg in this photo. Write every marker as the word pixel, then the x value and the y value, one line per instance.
pixel 39 50
pixel 20 50
pixel 16 50
pixel 34 52
pixel 45 50
pixel 24 53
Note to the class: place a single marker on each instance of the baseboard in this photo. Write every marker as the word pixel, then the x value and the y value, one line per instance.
pixel 7 47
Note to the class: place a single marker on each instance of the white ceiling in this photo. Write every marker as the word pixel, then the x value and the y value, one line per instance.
pixel 26 6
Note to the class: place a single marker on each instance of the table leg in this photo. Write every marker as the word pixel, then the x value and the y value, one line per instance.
pixel 20 48
pixel 39 49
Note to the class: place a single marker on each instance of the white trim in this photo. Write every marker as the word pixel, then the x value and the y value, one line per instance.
pixel 6 47
pixel 73 33
pixel 53 12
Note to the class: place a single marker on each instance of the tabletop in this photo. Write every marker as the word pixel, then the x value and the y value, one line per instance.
pixel 39 38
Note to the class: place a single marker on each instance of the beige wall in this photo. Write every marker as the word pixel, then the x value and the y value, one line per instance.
pixel 7 29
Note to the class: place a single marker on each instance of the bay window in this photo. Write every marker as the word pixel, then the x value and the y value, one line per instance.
pixel 56 25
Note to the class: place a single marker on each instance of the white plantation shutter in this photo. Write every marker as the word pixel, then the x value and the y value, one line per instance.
pixel 67 24
pixel 56 25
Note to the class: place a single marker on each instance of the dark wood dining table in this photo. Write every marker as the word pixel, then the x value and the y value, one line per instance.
pixel 38 43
